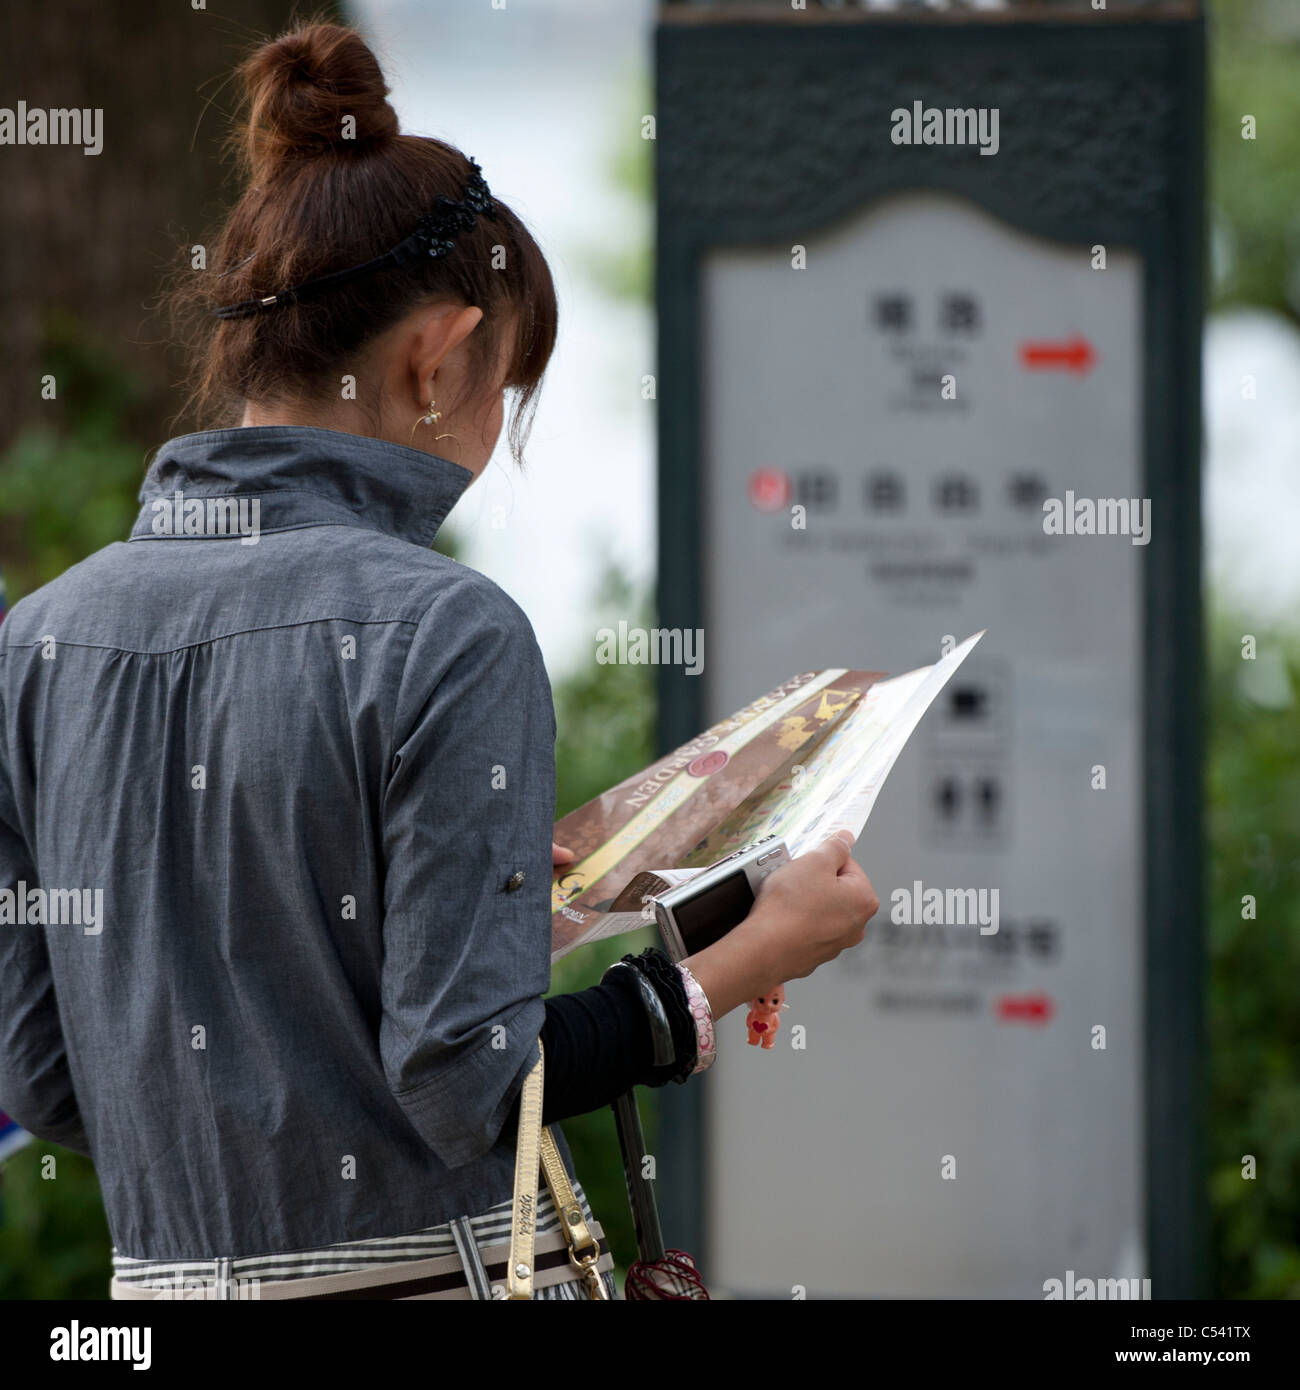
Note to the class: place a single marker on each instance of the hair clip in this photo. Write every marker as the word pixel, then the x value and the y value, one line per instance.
pixel 434 236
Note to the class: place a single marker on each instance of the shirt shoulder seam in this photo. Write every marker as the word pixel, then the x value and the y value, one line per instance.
pixel 216 637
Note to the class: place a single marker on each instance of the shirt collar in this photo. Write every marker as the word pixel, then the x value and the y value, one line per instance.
pixel 301 476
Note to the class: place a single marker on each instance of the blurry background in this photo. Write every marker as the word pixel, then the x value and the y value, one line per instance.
pixel 549 98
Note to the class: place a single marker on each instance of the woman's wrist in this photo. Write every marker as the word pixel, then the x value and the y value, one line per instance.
pixel 732 971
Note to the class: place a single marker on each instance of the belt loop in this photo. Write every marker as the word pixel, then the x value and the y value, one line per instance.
pixel 476 1275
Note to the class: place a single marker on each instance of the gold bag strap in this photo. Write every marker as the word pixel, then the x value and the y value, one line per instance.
pixel 528 1155
pixel 536 1148
pixel 584 1249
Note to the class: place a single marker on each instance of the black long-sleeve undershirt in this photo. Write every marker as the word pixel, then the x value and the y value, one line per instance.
pixel 598 1044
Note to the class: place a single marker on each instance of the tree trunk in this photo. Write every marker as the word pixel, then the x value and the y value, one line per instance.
pixel 86 239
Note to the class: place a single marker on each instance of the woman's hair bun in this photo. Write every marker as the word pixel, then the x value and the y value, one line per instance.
pixel 303 87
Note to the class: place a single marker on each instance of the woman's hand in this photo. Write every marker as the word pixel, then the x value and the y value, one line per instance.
pixel 560 856
pixel 810 910
pixel 806 913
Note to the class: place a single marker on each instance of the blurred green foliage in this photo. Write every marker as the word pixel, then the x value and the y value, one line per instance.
pixel 53 1237
pixel 1254 184
pixel 68 483
pixel 1253 808
pixel 1253 774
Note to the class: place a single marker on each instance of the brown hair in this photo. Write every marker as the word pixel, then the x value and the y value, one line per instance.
pixel 325 192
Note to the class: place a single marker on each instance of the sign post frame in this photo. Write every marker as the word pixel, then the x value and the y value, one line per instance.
pixel 775 127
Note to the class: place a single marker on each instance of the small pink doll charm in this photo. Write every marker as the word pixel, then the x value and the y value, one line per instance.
pixel 764 1017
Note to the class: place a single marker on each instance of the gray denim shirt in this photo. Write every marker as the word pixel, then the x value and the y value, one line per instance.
pixel 280 806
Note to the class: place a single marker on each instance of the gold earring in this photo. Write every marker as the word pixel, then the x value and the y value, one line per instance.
pixel 437 437
pixel 431 417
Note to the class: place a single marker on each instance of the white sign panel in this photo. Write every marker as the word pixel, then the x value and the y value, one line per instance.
pixel 882 429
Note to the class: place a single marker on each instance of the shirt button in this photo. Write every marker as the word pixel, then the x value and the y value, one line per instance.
pixel 515 881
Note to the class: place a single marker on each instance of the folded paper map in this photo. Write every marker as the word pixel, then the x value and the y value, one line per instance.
pixel 804 761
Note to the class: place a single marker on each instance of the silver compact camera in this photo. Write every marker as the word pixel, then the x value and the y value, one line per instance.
pixel 700 912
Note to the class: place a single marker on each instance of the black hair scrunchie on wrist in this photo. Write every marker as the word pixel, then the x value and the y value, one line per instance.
pixel 667 982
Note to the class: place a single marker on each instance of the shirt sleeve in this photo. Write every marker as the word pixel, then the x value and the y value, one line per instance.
pixel 35 1080
pixel 467 818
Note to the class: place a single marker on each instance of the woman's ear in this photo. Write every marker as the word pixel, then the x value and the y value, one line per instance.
pixel 438 334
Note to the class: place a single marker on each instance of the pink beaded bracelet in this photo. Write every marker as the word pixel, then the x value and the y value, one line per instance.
pixel 703 1016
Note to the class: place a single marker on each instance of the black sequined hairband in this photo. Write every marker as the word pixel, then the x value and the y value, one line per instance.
pixel 434 236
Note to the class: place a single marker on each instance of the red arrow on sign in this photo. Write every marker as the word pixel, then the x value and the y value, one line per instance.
pixel 1077 355
pixel 1027 1008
